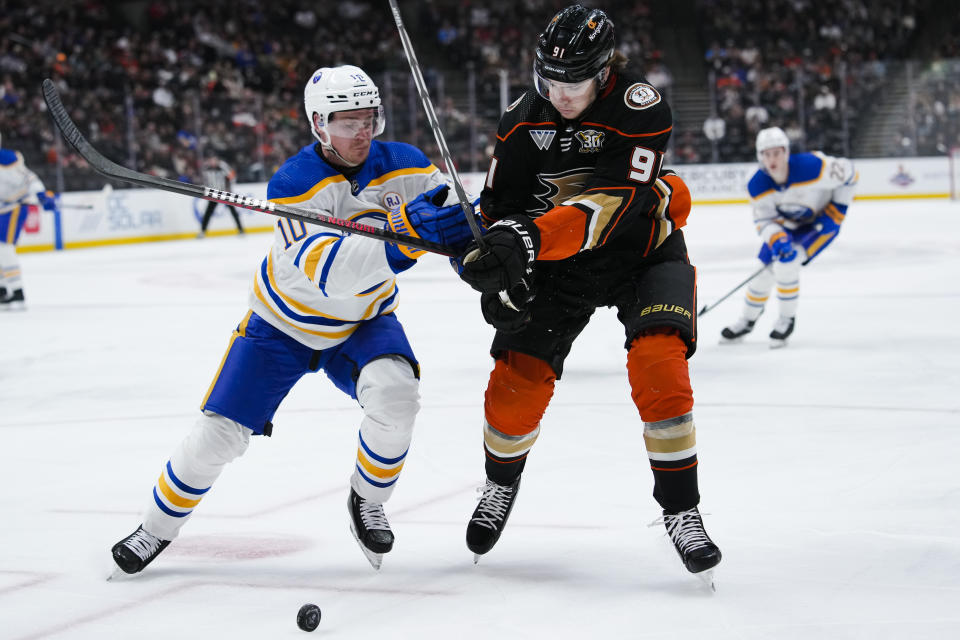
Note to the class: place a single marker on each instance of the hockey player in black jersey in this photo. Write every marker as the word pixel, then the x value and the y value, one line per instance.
pixel 581 214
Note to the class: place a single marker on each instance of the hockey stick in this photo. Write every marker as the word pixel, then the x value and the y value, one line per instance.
pixel 110 169
pixel 434 123
pixel 753 275
pixel 442 144
pixel 77 206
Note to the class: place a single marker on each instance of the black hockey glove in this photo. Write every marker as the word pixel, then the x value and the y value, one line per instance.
pixel 501 317
pixel 511 248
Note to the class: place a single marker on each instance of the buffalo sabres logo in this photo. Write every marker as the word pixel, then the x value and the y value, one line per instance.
pixel 560 186
pixel 641 96
pixel 392 201
pixel 590 140
pixel 542 137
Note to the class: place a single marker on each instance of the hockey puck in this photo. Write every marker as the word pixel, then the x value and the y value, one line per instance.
pixel 308 618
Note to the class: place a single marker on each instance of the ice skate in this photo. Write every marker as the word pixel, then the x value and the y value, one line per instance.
pixel 370 528
pixel 781 331
pixel 490 517
pixel 12 301
pixel 136 551
pixel 698 552
pixel 737 330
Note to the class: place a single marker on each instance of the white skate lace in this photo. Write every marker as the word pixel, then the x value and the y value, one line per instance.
pixel 685 529
pixel 372 515
pixel 143 543
pixel 493 504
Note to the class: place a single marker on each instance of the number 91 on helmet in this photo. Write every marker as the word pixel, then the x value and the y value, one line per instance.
pixel 573 50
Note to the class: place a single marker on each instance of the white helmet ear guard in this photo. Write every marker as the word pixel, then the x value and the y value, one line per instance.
pixel 771 138
pixel 343 88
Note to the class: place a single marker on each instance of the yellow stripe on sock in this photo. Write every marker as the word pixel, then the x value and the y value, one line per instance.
pixel 173 498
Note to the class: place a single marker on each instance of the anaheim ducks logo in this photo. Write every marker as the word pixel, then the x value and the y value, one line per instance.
pixel 560 186
pixel 641 95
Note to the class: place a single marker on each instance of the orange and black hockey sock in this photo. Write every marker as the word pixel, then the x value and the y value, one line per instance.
pixel 519 390
pixel 660 381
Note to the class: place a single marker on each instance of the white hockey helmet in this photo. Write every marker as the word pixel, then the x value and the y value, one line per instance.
pixel 343 88
pixel 771 138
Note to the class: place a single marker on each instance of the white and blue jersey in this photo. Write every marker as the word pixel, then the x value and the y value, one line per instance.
pixel 817 186
pixel 317 285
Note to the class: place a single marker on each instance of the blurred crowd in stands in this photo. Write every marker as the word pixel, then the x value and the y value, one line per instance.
pixel 813 68
pixel 158 85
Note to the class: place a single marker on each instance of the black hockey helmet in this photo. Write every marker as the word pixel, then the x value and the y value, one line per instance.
pixel 575 46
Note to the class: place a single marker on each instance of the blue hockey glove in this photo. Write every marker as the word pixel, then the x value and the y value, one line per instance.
pixel 781 245
pixel 47 199
pixel 507 258
pixel 425 217
pixel 826 225
pixel 819 236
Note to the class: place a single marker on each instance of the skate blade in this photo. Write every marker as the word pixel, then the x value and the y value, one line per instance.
pixel 116 574
pixel 13 306
pixel 375 559
pixel 476 558
pixel 778 344
pixel 709 578
pixel 731 341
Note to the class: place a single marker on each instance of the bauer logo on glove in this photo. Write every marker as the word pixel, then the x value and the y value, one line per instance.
pixel 506 258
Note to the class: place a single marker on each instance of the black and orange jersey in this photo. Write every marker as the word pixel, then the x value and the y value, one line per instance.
pixel 591 183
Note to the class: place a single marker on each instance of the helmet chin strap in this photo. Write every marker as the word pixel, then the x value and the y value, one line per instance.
pixel 336 154
pixel 324 138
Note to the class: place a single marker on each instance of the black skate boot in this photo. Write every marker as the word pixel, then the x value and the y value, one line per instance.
pixel 738 329
pixel 12 301
pixel 369 526
pixel 137 550
pixel 690 539
pixel 490 516
pixel 781 331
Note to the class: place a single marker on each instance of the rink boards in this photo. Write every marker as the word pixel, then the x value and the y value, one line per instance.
pixel 121 216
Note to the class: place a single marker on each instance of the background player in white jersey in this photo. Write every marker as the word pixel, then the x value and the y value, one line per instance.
pixel 19 188
pixel 799 202
pixel 321 300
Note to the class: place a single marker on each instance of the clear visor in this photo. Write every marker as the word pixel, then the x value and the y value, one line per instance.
pixel 773 155
pixel 548 88
pixel 357 123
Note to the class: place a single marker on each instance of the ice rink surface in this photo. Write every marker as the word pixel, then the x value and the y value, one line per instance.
pixel 826 468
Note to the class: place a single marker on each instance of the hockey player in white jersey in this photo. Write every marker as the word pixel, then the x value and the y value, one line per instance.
pixel 19 188
pixel 799 202
pixel 321 300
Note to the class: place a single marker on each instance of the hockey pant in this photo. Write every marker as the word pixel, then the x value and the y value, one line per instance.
pixel 387 390
pixel 521 386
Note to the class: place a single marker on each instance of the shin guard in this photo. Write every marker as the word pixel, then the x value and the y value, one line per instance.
pixel 660 382
pixel 518 393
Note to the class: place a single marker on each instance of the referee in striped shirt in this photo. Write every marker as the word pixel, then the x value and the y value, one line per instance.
pixel 219 175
